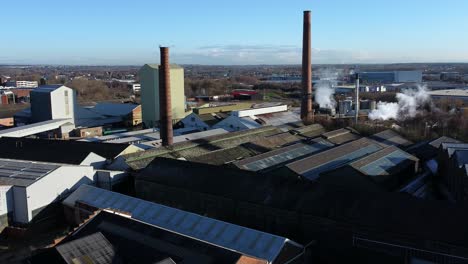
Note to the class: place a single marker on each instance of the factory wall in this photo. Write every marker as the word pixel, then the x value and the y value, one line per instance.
pixel 41 107
pixel 149 79
pixel 408 76
pixel 54 186
pixel 6 205
pixel 63 103
pixel 335 240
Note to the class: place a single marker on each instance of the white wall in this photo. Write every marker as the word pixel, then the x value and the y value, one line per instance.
pixel 260 111
pixel 55 185
pixel 94 160
pixel 194 121
pixel 231 124
pixel 63 106
pixel 6 199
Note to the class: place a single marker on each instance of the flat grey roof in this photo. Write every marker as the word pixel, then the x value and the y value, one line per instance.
pixel 23 173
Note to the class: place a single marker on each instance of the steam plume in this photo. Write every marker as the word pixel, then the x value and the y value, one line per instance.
pixel 409 105
pixel 324 90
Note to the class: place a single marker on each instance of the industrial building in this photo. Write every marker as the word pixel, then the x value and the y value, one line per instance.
pixel 61 100
pixel 360 223
pixel 97 155
pixel 453 169
pixel 28 187
pixel 178 225
pixel 210 144
pixel 149 79
pixel 454 97
pixel 391 77
pixel 116 238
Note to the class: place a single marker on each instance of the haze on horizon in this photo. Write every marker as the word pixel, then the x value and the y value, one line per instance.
pixel 232 32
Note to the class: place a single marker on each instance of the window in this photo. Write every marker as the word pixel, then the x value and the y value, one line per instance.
pixel 67 106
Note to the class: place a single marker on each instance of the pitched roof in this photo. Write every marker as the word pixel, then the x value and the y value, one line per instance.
pixel 391 138
pixel 340 136
pixel 383 212
pixel 56 151
pixel 312 166
pixel 94 248
pixel 197 147
pixel 283 155
pixel 383 162
pixel 233 237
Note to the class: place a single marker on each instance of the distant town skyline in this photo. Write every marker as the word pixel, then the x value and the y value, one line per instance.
pixel 232 32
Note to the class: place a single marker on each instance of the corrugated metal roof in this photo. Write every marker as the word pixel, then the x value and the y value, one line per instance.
pixel 241 239
pixel 95 248
pixel 382 161
pixel 282 155
pixel 281 118
pixel 312 166
pixel 437 142
pixel 452 147
pixel 391 138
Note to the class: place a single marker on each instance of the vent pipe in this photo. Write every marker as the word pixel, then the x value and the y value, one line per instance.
pixel 307 115
pixel 357 98
pixel 165 107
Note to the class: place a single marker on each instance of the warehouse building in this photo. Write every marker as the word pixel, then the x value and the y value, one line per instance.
pixel 149 80
pixel 348 224
pixel 391 77
pixel 266 248
pixel 97 155
pixel 110 237
pixel 28 187
pixel 453 97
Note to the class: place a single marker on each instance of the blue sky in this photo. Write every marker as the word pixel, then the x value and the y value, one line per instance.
pixel 232 32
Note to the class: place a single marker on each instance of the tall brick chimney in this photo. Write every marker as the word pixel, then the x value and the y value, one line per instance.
pixel 307 114
pixel 165 107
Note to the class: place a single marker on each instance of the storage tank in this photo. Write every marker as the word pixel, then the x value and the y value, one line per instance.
pixel 372 105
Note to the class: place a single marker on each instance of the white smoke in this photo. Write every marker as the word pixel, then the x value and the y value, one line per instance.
pixel 384 111
pixel 324 91
pixel 324 95
pixel 409 105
